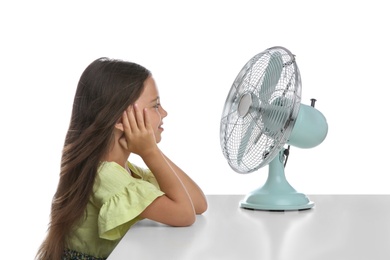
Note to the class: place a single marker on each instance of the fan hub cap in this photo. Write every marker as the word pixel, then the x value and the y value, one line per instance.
pixel 244 104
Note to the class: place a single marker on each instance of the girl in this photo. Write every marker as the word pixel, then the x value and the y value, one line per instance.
pixel 100 195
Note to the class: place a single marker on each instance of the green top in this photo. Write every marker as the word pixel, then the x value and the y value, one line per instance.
pixel 115 204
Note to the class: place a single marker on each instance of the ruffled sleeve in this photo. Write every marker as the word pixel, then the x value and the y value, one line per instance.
pixel 121 199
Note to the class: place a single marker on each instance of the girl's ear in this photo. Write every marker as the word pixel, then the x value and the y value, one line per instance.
pixel 122 139
pixel 119 125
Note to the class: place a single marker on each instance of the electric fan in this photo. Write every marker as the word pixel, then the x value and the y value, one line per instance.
pixel 262 114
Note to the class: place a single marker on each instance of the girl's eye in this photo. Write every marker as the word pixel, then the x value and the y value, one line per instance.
pixel 157 105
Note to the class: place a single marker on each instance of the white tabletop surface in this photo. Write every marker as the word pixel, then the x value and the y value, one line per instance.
pixel 339 227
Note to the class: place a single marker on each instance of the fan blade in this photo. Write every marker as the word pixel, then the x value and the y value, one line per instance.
pixel 271 75
pixel 244 142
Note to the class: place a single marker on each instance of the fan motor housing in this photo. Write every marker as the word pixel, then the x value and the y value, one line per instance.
pixel 310 128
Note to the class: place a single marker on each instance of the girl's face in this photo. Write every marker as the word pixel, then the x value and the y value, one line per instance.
pixel 150 99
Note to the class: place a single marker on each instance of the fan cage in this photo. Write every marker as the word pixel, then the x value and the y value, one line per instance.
pixel 271 81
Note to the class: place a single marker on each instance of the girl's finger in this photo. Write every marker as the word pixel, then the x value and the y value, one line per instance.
pixel 147 119
pixel 125 122
pixel 139 117
pixel 131 119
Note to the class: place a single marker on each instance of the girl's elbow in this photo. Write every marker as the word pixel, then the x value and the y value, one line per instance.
pixel 186 221
pixel 201 208
pixel 190 221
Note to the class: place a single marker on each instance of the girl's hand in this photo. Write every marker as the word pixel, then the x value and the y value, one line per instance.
pixel 138 131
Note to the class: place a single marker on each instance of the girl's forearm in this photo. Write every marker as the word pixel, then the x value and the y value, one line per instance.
pixel 197 196
pixel 168 179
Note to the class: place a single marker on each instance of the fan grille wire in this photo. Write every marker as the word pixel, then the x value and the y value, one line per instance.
pixel 272 80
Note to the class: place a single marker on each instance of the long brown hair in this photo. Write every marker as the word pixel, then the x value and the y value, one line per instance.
pixel 105 89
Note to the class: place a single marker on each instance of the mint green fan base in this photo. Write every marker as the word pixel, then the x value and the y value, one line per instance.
pixel 277 193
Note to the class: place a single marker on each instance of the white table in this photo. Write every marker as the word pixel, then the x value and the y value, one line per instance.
pixel 345 227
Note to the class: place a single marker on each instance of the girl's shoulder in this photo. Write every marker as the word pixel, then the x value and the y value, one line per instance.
pixel 113 180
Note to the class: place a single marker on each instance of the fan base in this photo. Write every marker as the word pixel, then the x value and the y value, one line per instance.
pixel 276 202
pixel 277 193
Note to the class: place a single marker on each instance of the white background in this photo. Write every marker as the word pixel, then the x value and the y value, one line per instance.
pixel 195 49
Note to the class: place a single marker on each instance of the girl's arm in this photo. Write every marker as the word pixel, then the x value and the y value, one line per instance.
pixel 175 208
pixel 197 196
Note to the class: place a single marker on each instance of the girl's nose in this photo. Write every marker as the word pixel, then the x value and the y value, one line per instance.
pixel 164 112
